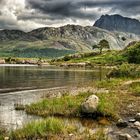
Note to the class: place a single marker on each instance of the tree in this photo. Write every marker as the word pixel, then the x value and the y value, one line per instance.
pixel 103 44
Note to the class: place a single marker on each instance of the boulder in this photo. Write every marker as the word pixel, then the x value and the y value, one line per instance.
pixel 20 61
pixel 90 104
pixel 2 61
pixel 33 62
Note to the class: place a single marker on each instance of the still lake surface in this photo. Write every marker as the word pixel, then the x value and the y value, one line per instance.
pixel 26 84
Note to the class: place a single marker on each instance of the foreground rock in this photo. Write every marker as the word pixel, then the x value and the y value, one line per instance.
pixel 90 105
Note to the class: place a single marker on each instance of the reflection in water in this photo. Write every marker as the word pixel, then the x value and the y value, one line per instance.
pixel 42 77
pixel 23 78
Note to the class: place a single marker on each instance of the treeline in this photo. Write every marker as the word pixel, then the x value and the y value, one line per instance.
pixel 35 53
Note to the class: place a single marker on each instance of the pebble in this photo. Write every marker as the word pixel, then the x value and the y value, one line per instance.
pixel 125 137
pixel 70 135
pixel 137 123
pixel 6 138
pixel 132 120
pixel 122 123
pixel 137 117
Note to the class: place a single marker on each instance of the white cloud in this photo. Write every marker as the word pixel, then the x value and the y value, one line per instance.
pixel 10 10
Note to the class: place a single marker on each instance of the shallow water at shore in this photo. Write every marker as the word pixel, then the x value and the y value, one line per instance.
pixel 25 84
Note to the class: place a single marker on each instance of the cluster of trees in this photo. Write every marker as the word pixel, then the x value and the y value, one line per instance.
pixel 103 44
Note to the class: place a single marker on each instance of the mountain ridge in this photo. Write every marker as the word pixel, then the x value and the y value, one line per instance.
pixel 67 39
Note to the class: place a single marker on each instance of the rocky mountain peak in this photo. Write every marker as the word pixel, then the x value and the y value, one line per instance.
pixel 118 23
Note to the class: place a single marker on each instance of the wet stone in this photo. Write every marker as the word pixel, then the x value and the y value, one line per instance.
pixel 132 120
pixel 122 123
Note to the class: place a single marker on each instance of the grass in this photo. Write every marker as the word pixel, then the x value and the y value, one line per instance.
pixel 42 128
pixel 64 106
pixel 107 58
pixel 107 105
pixel 70 106
pixel 113 104
pixel 125 70
pixel 135 88
pixel 112 83
pixel 2 133
pixel 54 129
pixel 19 107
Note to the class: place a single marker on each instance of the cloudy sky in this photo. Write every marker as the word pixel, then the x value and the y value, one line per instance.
pixel 30 14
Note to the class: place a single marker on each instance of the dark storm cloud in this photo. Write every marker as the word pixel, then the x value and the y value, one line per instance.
pixel 71 8
pixel 59 9
pixel 30 14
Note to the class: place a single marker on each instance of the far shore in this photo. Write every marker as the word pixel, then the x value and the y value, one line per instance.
pixel 21 65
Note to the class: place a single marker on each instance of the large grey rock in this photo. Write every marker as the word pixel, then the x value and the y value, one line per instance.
pixel 90 104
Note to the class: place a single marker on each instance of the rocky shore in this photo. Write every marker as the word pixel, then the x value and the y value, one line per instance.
pixel 24 61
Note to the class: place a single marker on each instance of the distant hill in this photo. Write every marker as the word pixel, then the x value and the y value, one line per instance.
pixel 118 23
pixel 6 35
pixel 55 42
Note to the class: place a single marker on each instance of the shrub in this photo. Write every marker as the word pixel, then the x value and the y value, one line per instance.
pixel 132 53
pixel 125 70
pixel 66 58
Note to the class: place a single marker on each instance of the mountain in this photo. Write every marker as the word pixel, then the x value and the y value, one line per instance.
pixel 118 23
pixel 81 38
pixel 54 42
pixel 6 35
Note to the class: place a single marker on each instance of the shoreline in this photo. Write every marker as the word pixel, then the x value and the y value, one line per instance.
pixel 59 92
pixel 17 65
